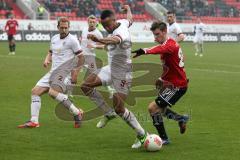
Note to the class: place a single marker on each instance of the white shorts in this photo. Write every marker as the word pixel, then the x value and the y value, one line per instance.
pixel 44 81
pixel 198 39
pixel 90 63
pixel 121 84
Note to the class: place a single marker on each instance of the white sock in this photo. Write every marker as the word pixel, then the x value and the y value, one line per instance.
pixel 62 98
pixel 35 108
pixel 74 110
pixel 132 121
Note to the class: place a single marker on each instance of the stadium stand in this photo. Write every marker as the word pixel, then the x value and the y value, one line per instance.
pixel 78 10
pixel 210 11
pixel 8 7
pixel 187 11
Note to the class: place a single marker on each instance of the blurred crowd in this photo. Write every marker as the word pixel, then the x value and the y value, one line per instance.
pixel 80 7
pixel 200 8
pixel 137 6
pixel 88 7
pixel 6 8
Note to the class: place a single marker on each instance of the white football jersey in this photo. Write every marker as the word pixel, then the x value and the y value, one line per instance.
pixel 174 30
pixel 63 49
pixel 199 29
pixel 119 56
pixel 85 41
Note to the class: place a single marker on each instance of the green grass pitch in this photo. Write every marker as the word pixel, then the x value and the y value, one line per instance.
pixel 213 101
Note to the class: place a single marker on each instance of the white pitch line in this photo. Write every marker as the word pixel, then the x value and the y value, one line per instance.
pixel 213 71
pixel 19 57
pixel 220 64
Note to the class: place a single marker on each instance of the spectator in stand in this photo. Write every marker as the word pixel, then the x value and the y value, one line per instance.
pixel 40 11
pixel 30 27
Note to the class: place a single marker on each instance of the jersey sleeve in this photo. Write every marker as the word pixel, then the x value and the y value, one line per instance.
pixel 179 30
pixel 122 34
pixel 76 48
pixel 125 22
pixel 99 35
pixel 159 49
pixel 50 46
pixel 17 23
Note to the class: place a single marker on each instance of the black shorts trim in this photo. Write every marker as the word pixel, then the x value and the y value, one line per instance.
pixel 169 96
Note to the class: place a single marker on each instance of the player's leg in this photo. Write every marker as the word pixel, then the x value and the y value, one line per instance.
pixel 168 96
pixel 156 113
pixel 122 86
pixel 196 49
pixel 40 88
pixel 88 88
pixel 13 46
pixel 92 68
pixel 10 43
pixel 37 91
pixel 57 93
pixel 57 90
pixel 201 47
pixel 195 45
pixel 90 63
pixel 128 116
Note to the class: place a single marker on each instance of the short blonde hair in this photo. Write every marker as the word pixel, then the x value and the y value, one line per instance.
pixel 64 20
pixel 92 17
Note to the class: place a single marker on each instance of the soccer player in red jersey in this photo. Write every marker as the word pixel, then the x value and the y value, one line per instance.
pixel 11 29
pixel 172 84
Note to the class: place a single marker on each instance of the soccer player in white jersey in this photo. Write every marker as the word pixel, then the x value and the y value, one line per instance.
pixel 198 37
pixel 118 72
pixel 65 54
pixel 174 30
pixel 89 46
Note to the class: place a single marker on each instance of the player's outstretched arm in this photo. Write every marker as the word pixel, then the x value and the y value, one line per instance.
pixel 47 60
pixel 106 40
pixel 75 71
pixel 138 52
pixel 97 46
pixel 100 46
pixel 180 37
pixel 126 8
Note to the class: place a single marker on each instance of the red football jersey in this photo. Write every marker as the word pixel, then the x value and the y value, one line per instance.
pixel 172 59
pixel 12 25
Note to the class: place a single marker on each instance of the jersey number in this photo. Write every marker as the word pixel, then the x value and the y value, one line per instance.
pixel 180 56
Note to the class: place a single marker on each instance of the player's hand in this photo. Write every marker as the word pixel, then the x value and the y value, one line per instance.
pixel 92 37
pixel 138 52
pixel 125 8
pixel 90 46
pixel 46 63
pixel 159 84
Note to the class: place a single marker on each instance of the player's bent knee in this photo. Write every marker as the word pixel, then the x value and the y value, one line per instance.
pixel 161 103
pixel 119 110
pixel 52 93
pixel 87 88
pixel 153 108
pixel 37 91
